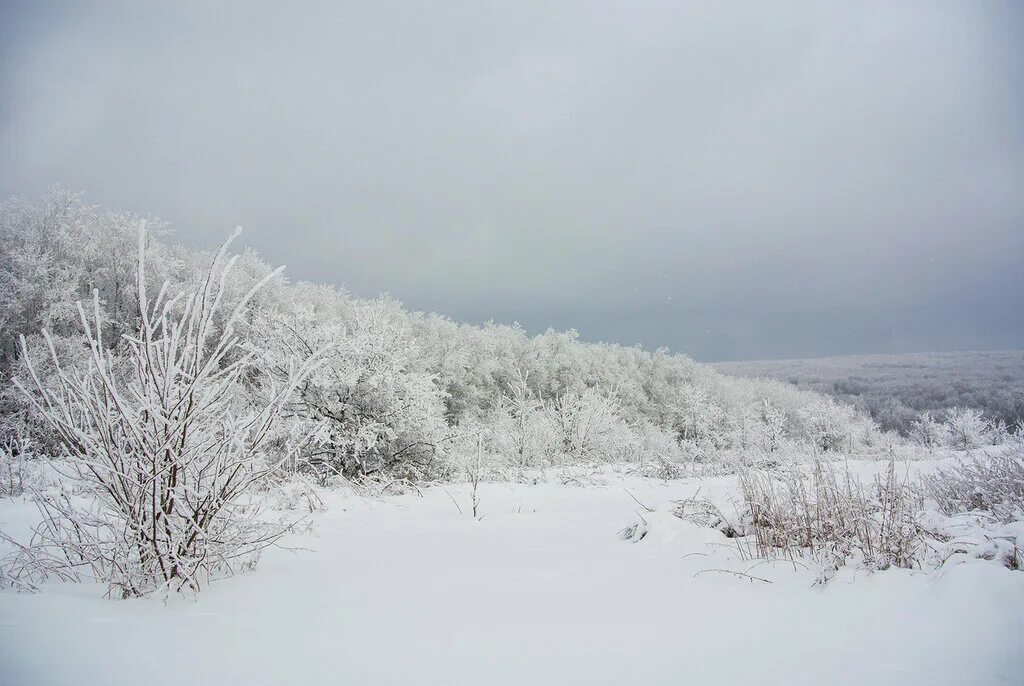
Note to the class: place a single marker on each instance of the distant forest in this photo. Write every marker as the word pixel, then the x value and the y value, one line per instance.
pixel 897 389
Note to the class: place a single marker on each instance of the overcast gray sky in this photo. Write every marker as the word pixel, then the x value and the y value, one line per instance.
pixel 731 180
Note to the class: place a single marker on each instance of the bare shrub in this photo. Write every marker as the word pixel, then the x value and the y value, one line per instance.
pixel 167 450
pixel 475 476
pixel 992 483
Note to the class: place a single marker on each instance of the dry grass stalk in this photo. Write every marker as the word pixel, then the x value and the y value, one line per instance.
pixel 831 517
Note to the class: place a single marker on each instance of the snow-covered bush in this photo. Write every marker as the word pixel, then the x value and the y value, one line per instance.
pixel 523 429
pixel 773 426
pixel 58 251
pixel 966 429
pixel 476 453
pixel 367 409
pixel 21 420
pixel 590 428
pixel 865 434
pixel 161 444
pixel 827 425
pixel 657 453
pixel 743 430
pixel 41 266
pixel 700 419
pixel 998 432
pixel 927 432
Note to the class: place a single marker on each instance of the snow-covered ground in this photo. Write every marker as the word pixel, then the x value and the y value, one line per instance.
pixel 539 590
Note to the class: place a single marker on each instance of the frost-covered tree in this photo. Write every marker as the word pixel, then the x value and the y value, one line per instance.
pixel 927 432
pixel 827 425
pixel 966 429
pixel 522 427
pixel 998 433
pixel 41 265
pixel 397 387
pixel 774 424
pixel 58 251
pixel 744 429
pixel 368 408
pixel 700 419
pixel 589 426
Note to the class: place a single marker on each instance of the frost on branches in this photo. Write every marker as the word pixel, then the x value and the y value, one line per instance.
pixel 164 454
pixel 966 428
pixel 365 410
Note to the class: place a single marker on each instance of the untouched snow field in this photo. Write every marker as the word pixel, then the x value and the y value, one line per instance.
pixel 541 590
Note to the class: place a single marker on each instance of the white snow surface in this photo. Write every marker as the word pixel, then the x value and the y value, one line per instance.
pixel 540 590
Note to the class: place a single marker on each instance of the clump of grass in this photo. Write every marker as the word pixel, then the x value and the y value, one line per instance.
pixel 991 483
pixel 831 517
pixel 703 513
